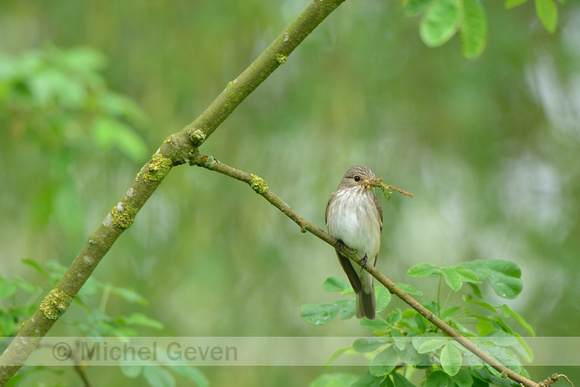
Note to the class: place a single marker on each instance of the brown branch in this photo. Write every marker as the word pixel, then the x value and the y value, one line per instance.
pixel 259 185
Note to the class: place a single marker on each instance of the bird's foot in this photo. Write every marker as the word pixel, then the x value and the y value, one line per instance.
pixel 341 246
pixel 364 262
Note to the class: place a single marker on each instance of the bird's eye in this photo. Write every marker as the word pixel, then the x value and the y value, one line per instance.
pixel 357 178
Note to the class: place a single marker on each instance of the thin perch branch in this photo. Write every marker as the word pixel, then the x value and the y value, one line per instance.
pixel 259 185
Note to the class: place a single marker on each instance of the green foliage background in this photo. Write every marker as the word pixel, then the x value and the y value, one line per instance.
pixel 489 148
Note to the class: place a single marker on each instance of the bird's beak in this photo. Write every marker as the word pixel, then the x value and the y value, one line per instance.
pixel 368 184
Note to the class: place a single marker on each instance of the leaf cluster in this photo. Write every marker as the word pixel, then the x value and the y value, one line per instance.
pixel 442 19
pixel 60 98
pixel 19 299
pixel 58 103
pixel 405 347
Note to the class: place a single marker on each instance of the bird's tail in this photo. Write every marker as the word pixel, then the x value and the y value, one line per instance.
pixel 366 304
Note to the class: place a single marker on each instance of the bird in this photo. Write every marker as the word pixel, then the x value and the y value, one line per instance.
pixel 354 217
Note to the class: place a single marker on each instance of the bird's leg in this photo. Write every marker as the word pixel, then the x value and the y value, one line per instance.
pixel 341 246
pixel 364 263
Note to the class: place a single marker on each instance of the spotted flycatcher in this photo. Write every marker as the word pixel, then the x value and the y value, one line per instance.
pixel 354 216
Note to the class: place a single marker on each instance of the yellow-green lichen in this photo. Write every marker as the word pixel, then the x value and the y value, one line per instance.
pixel 197 136
pixel 123 216
pixel 55 304
pixel 258 184
pixel 210 163
pixel 158 167
pixel 281 58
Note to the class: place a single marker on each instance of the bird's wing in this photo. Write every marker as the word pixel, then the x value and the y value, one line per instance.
pixel 350 272
pixel 327 205
pixel 380 208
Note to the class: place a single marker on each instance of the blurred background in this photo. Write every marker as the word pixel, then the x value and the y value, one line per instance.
pixel 489 147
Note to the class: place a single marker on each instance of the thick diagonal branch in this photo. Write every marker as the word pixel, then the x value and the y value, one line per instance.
pixel 260 186
pixel 175 150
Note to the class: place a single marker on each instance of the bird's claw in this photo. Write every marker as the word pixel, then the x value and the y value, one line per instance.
pixel 364 263
pixel 341 246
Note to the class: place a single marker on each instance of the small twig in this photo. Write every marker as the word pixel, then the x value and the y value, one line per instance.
pixel 259 185
pixel 378 183
pixel 551 380
pixel 82 372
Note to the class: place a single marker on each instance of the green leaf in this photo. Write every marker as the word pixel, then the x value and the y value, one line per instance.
pixel 438 379
pixel 383 297
pixel 36 266
pixel 335 284
pixel 367 344
pixel 409 289
pixel 441 21
pixel 52 85
pixel 131 371
pixel 7 324
pixel 501 354
pixel 334 380
pixel 129 295
pixel 83 59
pixel 411 357
pixel 451 359
pixel 384 363
pixel 475 289
pixel 421 322
pixel 507 311
pixel 319 314
pixel 473 361
pixel 335 355
pixel 422 270
pixel 548 14
pixel 109 132
pixel 523 348
pixel 26 286
pixel 7 288
pixel 377 324
pixel 401 381
pixel 141 319
pixel 91 287
pixel 503 276
pixel 473 31
pixel 367 380
pixel 466 275
pixel 452 278
pixel 119 106
pixel 509 4
pixel 431 345
pixel 483 305
pixel 347 290
pixel 399 339
pixel 346 309
pixel 386 382
pixel 416 6
pixel 158 377
pixel 463 378
pixel 500 338
pixel 449 312
pixel 395 316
